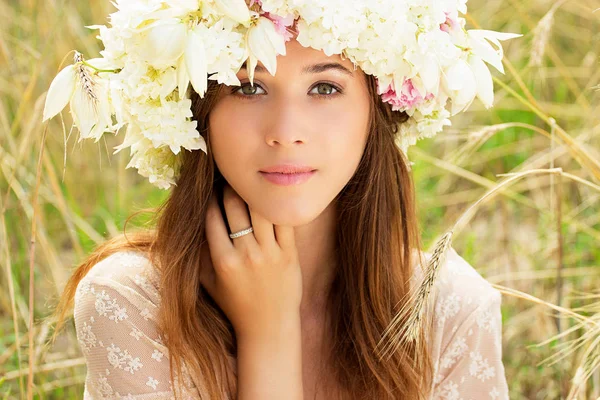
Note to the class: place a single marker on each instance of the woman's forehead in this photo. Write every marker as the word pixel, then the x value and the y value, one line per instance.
pixel 307 60
pixel 295 49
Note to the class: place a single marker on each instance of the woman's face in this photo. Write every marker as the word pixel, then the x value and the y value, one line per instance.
pixel 314 112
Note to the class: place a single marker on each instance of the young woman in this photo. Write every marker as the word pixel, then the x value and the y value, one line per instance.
pixel 203 307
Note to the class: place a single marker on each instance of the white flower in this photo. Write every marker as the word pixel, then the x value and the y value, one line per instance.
pixel 91 110
pixel 114 43
pixel 234 9
pixel 183 78
pixel 160 165
pixel 461 85
pixel 478 41
pixel 226 51
pixel 483 78
pixel 88 98
pixel 195 60
pixel 60 92
pixel 163 43
pixel 167 124
pixel 264 44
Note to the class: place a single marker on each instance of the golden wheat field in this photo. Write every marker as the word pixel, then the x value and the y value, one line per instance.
pixel 520 184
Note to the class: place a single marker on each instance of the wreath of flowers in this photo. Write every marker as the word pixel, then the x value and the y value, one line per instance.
pixel 426 64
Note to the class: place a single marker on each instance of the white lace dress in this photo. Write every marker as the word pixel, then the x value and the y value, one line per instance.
pixel 115 319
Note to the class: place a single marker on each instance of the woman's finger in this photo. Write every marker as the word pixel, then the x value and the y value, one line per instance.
pixel 238 218
pixel 285 237
pixel 264 231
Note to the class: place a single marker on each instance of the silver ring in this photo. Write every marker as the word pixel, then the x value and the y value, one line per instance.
pixel 241 233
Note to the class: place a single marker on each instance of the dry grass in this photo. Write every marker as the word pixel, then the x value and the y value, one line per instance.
pixel 518 186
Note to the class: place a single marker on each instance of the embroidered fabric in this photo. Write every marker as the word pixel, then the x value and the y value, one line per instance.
pixel 115 315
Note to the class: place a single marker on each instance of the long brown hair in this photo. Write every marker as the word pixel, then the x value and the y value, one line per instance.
pixel 376 236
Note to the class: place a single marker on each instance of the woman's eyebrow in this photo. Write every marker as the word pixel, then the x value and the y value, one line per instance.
pixel 310 69
pixel 316 68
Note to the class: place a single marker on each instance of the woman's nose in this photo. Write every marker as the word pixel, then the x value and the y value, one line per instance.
pixel 286 124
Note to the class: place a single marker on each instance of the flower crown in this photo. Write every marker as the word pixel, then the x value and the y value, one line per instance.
pixel 425 62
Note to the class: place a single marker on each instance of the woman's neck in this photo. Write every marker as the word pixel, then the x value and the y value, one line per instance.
pixel 316 251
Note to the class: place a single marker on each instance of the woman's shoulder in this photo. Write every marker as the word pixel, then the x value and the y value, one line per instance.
pixel 462 300
pixel 116 319
pixel 466 336
pixel 458 279
pixel 121 263
pixel 129 273
pixel 460 292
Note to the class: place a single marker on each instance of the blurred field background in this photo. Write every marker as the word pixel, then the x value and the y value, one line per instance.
pixel 537 238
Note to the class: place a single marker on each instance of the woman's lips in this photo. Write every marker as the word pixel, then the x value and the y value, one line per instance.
pixel 287 179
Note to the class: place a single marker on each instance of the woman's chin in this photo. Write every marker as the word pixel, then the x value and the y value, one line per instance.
pixel 290 216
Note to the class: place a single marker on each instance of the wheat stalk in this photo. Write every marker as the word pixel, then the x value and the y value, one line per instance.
pixel 541 34
pixel 85 78
pixel 406 325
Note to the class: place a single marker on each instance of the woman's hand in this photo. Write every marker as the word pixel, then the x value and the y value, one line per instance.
pixel 256 278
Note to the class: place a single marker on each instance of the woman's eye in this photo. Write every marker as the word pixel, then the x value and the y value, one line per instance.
pixel 325 89
pixel 247 89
